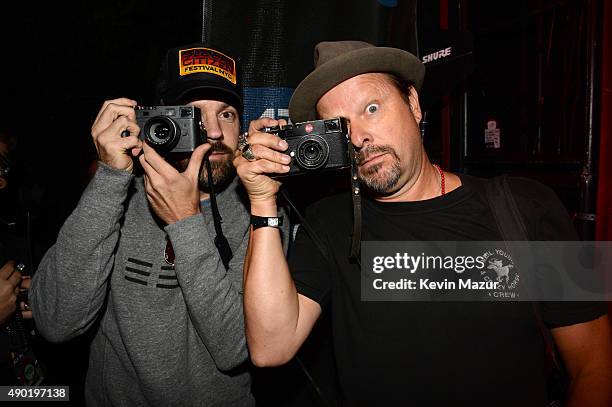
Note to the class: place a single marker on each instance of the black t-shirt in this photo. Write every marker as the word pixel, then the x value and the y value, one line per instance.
pixel 432 353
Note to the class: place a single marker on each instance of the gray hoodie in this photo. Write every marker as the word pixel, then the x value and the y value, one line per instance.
pixel 168 336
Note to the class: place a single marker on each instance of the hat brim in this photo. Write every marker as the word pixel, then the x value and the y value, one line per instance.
pixel 302 106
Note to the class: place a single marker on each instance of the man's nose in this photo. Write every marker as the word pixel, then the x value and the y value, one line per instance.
pixel 359 134
pixel 213 130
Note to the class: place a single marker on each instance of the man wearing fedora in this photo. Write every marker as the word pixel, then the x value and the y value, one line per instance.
pixel 137 259
pixel 403 353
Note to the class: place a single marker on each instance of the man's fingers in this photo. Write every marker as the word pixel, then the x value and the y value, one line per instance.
pixel 195 162
pixel 136 151
pixel 26 281
pixel 110 113
pixel 127 143
pixel 266 153
pixel 118 101
pixel 26 314
pixel 15 278
pixel 270 167
pixel 115 130
pixel 153 180
pixel 257 125
pixel 147 184
pixel 149 171
pixel 124 145
pixel 7 269
pixel 268 140
pixel 156 161
pixel 257 167
pixel 122 124
pixel 110 106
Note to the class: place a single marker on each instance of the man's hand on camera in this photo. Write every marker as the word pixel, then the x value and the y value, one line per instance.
pixel 9 288
pixel 115 117
pixel 172 195
pixel 268 159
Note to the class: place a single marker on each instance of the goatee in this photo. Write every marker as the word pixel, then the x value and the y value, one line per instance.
pixel 377 179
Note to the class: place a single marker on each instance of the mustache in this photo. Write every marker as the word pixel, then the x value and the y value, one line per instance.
pixel 181 163
pixel 365 153
pixel 219 147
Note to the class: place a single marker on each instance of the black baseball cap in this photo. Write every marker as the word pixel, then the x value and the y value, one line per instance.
pixel 197 72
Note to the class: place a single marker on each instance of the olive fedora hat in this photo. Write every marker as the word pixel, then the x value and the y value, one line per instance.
pixel 337 61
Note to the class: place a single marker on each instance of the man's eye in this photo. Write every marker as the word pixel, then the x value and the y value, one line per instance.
pixel 227 115
pixel 372 108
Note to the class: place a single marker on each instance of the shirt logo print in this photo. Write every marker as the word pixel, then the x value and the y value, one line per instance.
pixel 136 272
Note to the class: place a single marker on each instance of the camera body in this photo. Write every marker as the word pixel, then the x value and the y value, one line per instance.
pixel 315 146
pixel 170 129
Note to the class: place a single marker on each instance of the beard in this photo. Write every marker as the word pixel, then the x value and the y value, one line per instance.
pixel 222 169
pixel 376 178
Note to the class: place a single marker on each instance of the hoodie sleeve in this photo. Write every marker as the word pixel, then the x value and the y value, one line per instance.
pixel 70 284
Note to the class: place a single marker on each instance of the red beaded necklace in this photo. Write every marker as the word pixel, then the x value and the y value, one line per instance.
pixel 442 183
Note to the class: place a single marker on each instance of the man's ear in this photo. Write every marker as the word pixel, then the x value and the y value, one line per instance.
pixel 414 105
pixel 3 183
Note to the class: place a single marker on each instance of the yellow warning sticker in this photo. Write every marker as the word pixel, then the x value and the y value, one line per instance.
pixel 206 60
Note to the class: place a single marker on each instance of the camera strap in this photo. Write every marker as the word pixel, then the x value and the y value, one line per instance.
pixel 356 194
pixel 225 251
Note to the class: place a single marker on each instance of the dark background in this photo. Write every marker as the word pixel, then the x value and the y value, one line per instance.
pixel 527 70
pixel 524 63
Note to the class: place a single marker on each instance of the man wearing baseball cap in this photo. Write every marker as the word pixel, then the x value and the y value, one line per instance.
pixel 138 259
pixel 421 353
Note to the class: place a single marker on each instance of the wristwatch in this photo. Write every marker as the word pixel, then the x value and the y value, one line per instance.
pixel 261 221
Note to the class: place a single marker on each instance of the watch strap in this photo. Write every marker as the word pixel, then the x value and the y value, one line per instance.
pixel 262 221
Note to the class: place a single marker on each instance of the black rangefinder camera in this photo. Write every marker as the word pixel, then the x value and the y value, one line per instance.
pixel 315 146
pixel 170 129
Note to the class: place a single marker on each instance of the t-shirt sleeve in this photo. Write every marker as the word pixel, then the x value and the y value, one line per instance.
pixel 308 265
pixel 557 314
pixel 549 220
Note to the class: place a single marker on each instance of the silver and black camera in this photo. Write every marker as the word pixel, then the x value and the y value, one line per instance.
pixel 316 145
pixel 170 129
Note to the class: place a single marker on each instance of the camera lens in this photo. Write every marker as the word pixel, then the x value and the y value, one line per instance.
pixel 312 153
pixel 162 133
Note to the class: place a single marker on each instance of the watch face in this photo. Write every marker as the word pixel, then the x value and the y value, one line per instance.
pixel 273 222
